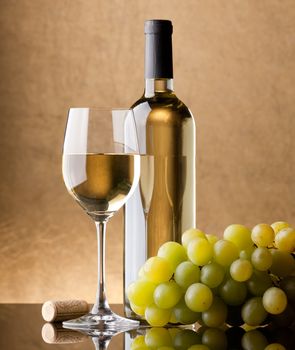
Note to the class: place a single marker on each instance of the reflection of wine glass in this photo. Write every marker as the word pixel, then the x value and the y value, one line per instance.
pixel 175 178
pixel 54 333
pixel 101 169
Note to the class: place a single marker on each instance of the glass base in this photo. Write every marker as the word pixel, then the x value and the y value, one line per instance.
pixel 106 321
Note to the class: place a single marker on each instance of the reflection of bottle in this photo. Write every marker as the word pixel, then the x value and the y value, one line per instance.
pixel 166 130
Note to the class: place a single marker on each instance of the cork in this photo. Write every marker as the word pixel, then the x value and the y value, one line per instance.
pixel 56 311
pixel 55 334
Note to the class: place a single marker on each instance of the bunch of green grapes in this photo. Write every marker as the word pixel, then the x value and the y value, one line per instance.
pixel 247 277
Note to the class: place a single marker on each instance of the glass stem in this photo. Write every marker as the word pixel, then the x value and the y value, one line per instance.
pixel 101 300
pixel 101 343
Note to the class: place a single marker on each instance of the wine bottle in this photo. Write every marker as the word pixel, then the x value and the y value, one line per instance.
pixel 166 130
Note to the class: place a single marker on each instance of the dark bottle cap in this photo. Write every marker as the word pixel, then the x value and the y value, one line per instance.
pixel 155 26
pixel 158 49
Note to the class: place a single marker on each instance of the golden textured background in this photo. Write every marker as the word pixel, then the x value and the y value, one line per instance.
pixel 234 65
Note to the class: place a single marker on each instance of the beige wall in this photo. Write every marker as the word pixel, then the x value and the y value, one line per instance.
pixel 234 66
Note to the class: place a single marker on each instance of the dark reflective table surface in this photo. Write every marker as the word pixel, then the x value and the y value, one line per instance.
pixel 22 328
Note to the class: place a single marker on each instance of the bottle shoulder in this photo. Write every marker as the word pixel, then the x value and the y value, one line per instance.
pixel 167 102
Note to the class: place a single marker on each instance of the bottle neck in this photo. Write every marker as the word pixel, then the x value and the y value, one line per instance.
pixel 156 86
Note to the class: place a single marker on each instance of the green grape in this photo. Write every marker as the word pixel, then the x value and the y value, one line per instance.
pixel 253 312
pixel 261 259
pixel 200 251
pixel 198 297
pixel 263 235
pixel 215 339
pixel 157 317
pixel 216 315
pixel 173 252
pixel 247 253
pixel 140 293
pixel 138 343
pixel 285 240
pixel 198 347
pixel 225 252
pixel 156 337
pixel 190 235
pixel 167 295
pixel 212 274
pixel 212 239
pixel 233 292
pixel 254 340
pixel 165 348
pixel 288 286
pixel 275 346
pixel 239 235
pixel 157 270
pixel 283 264
pixel 274 300
pixel 186 338
pixel 259 283
pixel 186 274
pixel 185 315
pixel 241 270
pixel 139 310
pixel 279 225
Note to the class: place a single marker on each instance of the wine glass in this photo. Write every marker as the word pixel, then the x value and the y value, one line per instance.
pixel 101 168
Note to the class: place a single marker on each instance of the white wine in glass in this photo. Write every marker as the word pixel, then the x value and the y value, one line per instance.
pixel 101 168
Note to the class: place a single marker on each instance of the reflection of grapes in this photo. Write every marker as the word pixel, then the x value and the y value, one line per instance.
pixel 207 338
pixel 254 340
pixel 245 277
pixel 214 338
pixel 157 337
